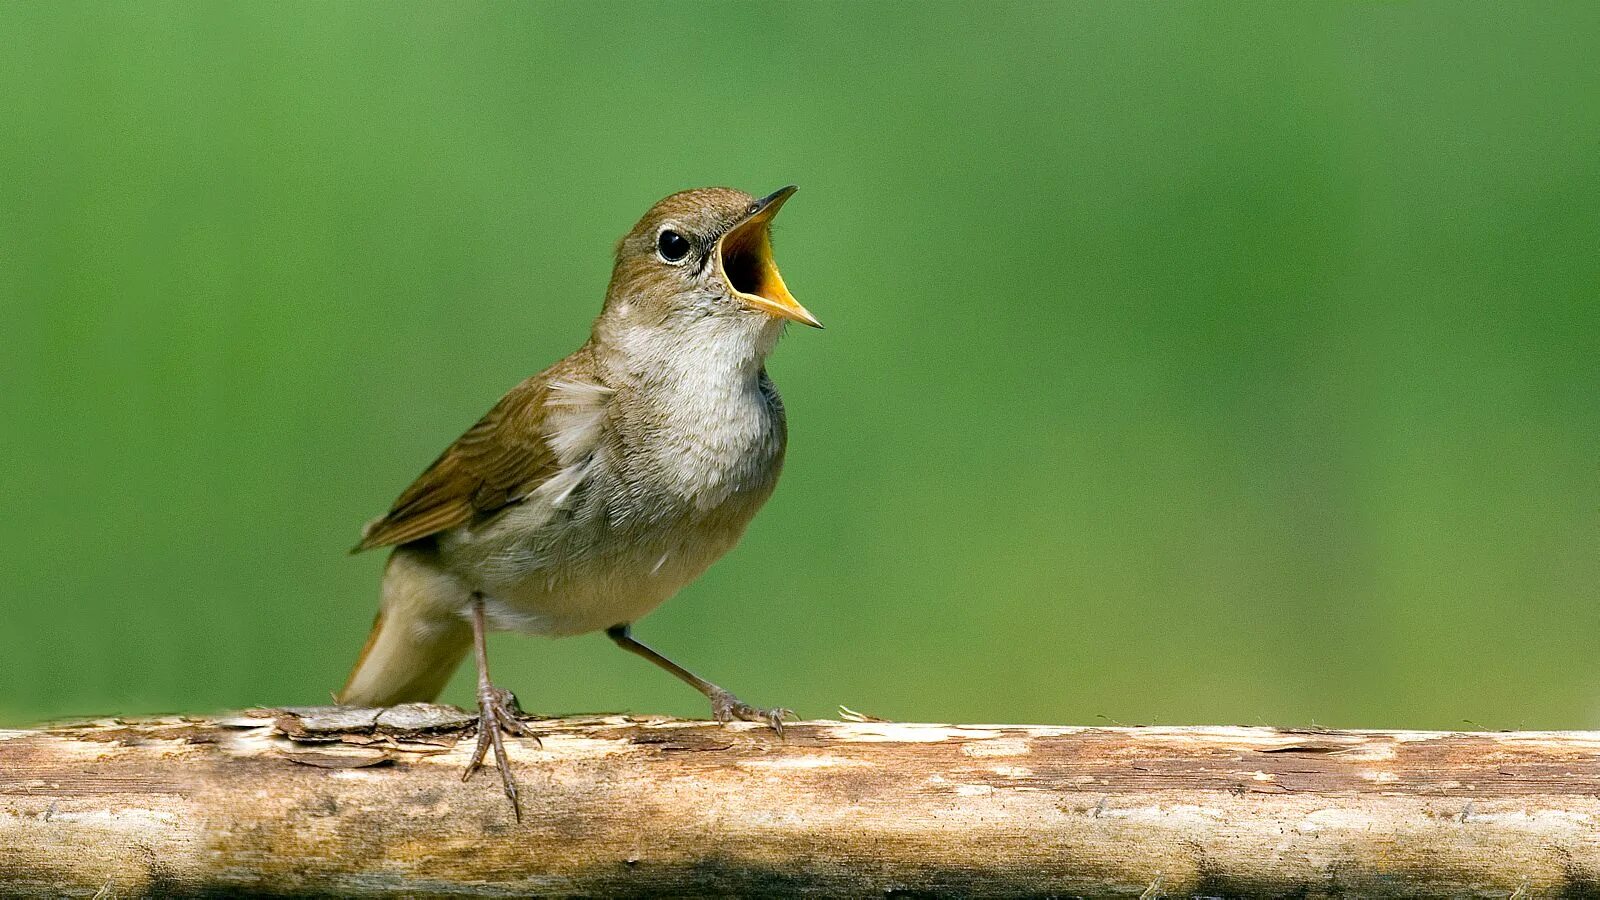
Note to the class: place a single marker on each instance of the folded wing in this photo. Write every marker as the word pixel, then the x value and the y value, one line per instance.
pixel 497 462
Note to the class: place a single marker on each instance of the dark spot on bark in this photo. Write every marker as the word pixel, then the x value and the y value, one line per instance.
pixel 1580 882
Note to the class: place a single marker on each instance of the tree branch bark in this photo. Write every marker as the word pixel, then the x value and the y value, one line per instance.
pixel 354 803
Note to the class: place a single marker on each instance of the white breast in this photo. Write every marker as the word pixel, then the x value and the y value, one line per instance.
pixel 709 436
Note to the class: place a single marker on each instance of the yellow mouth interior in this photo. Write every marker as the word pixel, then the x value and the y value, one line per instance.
pixel 748 266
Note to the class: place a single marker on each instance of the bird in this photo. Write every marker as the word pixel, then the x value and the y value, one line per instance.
pixel 598 488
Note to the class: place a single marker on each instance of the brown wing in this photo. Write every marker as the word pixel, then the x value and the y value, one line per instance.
pixel 497 462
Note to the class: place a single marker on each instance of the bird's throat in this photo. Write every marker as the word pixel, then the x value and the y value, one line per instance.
pixel 713 352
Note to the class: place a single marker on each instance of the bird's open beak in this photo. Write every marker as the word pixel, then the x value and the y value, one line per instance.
pixel 745 254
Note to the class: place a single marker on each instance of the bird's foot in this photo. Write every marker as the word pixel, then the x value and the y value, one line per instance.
pixel 498 715
pixel 725 707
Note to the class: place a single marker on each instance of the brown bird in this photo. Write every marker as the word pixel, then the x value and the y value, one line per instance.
pixel 596 489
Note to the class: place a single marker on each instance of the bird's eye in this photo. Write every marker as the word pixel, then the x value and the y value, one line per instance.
pixel 672 246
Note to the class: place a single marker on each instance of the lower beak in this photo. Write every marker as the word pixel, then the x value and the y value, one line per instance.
pixel 745 254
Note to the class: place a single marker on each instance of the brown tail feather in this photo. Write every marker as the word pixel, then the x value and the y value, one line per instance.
pixel 417 640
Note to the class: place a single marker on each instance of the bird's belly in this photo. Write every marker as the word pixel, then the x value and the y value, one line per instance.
pixel 577 570
pixel 572 612
pixel 609 589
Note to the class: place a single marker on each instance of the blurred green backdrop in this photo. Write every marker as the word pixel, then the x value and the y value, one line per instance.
pixel 1185 363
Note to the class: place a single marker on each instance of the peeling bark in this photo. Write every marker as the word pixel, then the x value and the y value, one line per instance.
pixel 370 803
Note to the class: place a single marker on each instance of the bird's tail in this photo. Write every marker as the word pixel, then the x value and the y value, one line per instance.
pixel 417 640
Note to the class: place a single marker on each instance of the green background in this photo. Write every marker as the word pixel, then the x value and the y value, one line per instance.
pixel 1185 363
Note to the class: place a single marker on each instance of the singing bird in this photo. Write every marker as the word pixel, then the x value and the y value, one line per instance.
pixel 596 489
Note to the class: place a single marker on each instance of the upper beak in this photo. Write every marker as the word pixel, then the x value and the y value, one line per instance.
pixel 745 254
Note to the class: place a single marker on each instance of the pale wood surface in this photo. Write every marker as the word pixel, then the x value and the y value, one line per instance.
pixel 305 804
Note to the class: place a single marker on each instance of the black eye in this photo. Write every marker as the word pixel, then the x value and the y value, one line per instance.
pixel 672 246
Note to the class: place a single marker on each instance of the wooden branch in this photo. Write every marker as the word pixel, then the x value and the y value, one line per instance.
pixel 314 802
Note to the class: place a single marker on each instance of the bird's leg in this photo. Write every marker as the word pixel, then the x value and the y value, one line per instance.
pixel 724 705
pixel 498 714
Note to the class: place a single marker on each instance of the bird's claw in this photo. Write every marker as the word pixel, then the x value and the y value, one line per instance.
pixel 498 715
pixel 725 707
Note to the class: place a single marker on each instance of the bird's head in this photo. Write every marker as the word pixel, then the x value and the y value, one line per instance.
pixel 703 258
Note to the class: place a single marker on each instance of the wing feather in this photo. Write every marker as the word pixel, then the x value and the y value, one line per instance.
pixel 496 463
